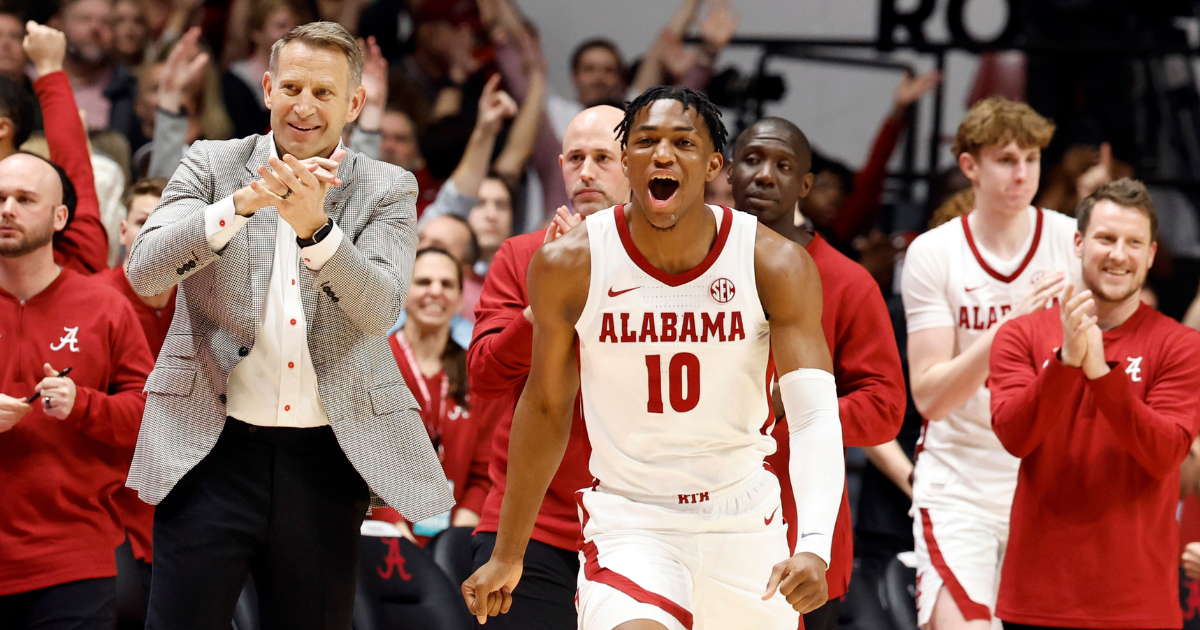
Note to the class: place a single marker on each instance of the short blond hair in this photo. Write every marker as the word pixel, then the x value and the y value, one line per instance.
pixel 323 35
pixel 997 120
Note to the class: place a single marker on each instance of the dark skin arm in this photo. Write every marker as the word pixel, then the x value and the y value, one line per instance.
pixel 558 286
pixel 789 288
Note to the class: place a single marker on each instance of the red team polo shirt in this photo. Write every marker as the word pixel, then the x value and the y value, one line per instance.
pixel 57 477
pixel 870 385
pixel 137 515
pixel 1093 540
pixel 498 360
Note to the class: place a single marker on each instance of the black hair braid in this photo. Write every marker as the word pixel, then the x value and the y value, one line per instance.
pixel 688 98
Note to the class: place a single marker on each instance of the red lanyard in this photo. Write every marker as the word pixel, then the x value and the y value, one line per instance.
pixel 434 425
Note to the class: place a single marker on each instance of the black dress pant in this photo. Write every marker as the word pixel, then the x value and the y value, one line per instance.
pixel 282 504
pixel 545 597
pixel 80 605
pixel 825 617
pixel 1021 626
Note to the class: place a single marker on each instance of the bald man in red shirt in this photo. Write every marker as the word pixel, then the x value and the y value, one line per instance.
pixel 1099 399
pixel 770 173
pixel 498 364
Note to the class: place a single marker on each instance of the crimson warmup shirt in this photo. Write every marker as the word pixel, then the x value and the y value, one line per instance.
pixel 1093 540
pixel 137 515
pixel 464 446
pixel 870 384
pixel 498 364
pixel 57 478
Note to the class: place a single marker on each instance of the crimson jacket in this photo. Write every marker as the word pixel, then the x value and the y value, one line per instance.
pixel 57 477
pixel 1093 541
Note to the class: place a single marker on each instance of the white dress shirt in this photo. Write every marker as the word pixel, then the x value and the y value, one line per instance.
pixel 276 385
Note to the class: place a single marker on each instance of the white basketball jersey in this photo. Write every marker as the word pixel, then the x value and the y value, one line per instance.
pixel 951 281
pixel 673 368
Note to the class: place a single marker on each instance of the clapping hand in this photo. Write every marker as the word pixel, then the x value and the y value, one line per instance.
pixel 1076 317
pixel 562 223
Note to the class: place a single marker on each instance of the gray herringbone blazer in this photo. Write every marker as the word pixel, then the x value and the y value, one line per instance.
pixel 349 307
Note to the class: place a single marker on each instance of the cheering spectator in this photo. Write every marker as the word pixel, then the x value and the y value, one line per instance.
pixel 460 192
pixel 104 89
pixel 430 82
pixel 1098 396
pixel 83 244
pixel 131 33
pixel 241 85
pixel 434 366
pixel 398 145
pixel 453 234
pixel 63 456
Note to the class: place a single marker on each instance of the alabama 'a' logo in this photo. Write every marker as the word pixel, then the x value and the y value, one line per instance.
pixel 1135 369
pixel 722 290
pixel 68 339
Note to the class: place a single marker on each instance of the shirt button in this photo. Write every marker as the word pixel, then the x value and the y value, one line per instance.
pixel 253 429
pixel 243 351
pixel 291 365
pixel 307 260
pixel 222 222
pixel 287 407
pixel 293 322
pixel 293 282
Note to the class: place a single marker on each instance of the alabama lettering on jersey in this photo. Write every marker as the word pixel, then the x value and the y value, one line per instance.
pixel 674 368
pixel 951 281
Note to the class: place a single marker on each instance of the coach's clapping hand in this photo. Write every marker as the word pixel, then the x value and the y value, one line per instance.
pixel 45 48
pixel 489 590
pixel 11 411
pixel 296 188
pixel 1076 316
pixel 801 579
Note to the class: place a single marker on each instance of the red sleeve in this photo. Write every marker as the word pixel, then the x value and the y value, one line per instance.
pixel 1026 404
pixel 83 245
pixel 114 417
pixel 1159 431
pixel 486 412
pixel 870 379
pixel 501 351
pixel 864 201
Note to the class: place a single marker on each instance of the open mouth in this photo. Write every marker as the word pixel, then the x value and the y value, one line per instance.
pixel 663 188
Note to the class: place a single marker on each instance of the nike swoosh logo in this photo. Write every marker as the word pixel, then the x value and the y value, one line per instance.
pixel 809 534
pixel 612 293
pixel 974 288
pixel 767 521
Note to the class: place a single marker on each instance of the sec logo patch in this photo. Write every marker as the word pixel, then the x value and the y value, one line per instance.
pixel 722 290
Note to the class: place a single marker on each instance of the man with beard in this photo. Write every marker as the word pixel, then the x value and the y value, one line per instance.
pixel 1098 398
pixel 65 449
pixel 770 174
pixel 498 363
pixel 106 90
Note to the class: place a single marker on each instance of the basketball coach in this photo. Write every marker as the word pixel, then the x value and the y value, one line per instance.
pixel 276 407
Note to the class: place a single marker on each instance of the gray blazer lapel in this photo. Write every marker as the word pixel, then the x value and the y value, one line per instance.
pixel 260 233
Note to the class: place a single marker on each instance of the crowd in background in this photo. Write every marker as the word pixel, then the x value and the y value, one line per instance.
pixel 457 93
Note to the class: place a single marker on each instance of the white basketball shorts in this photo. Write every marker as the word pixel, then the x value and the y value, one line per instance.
pixel 697 561
pixel 962 552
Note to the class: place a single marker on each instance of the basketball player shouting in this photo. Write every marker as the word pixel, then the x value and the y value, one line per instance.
pixel 669 300
pixel 961 281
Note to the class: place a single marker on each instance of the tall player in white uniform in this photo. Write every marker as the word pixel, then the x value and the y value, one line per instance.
pixel 961 281
pixel 669 301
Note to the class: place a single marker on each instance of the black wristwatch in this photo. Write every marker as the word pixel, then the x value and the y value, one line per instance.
pixel 317 236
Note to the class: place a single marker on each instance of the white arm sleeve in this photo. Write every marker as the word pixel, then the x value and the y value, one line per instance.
pixel 817 465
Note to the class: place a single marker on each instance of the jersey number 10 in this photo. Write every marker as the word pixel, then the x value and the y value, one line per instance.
pixel 680 402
